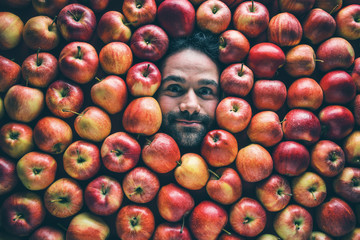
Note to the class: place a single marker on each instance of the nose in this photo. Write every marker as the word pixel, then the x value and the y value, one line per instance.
pixel 190 103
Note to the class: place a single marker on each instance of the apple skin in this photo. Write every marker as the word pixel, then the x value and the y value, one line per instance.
pixel 351 148
pixel 355 74
pixel 8 176
pixel 347 22
pixel 120 152
pixel 49 7
pixel 352 235
pixel 22 212
pixel 47 233
pixel 11 28
pixel 36 170
pixel 116 58
pixel 24 104
pixel 174 203
pixel 103 195
pixel 171 231
pixel 213 16
pixel 233 236
pixel 346 184
pixel 111 28
pixel 139 13
pixel 234 46
pixel 300 61
pixel 176 17
pixel 335 217
pixel 237 80
pixel 247 217
pixel 219 148
pixel 316 235
pixel 267 236
pixel 62 95
pixel 329 5
pixel 269 94
pixel 81 160
pixel 327 158
pixel 135 222
pixel 297 8
pixel 254 163
pixel 207 220
pixel 10 73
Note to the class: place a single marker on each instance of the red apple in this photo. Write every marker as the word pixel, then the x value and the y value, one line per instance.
pixel 234 46
pixel 11 28
pixel 237 80
pixel 296 7
pixel 116 58
pixel 48 7
pixel 231 236
pixel 300 61
pixel 269 94
pixel 171 231
pixel 347 23
pixel 10 73
pixel 139 12
pixel 351 148
pixel 346 184
pixel 330 6
pixel 47 233
pixel 355 74
pixel 213 16
pixel 8 176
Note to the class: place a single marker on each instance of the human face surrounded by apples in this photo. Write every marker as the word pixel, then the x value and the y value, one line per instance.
pixel 188 96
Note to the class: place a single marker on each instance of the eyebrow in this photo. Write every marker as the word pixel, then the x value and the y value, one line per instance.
pixel 182 80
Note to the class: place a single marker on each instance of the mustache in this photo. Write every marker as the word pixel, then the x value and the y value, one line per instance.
pixel 173 116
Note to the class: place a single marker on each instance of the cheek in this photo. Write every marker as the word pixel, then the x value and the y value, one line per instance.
pixel 167 104
pixel 209 108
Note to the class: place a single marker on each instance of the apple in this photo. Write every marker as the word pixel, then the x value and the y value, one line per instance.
pixel 139 13
pixel 171 231
pixel 327 158
pixel 116 58
pixel 346 184
pixel 10 73
pixel 274 193
pixel 353 235
pixel 8 176
pixel 237 80
pixel 61 95
pixel 305 93
pixel 79 61
pixel 268 94
pixel 300 61
pixel 330 6
pixel 213 16
pixel 76 22
pixel 176 17
pixel 297 7
pixel 174 203
pixel 47 233
pixel 251 18
pixel 36 170
pixel 64 198
pixel 268 236
pixel 347 24
pixel 2 108
pixel 316 235
pixel 49 7
pixel 120 152
pixel 254 163
pixel 207 220
pixel 232 236
pixel 135 222
pixel 149 42
pixel 112 27
pixel 11 28
pixel 81 160
pixel 103 195
pixel 355 74
pixel 351 148
pixel 143 79
pixel 234 46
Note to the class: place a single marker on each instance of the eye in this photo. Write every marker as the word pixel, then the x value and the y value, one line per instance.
pixel 174 89
pixel 205 91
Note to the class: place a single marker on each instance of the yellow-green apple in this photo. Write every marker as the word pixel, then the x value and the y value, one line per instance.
pixel 46 232
pixel 347 22
pixel 330 6
pixel 335 217
pixel 64 198
pixel 327 158
pixel 219 148
pixel 23 103
pixel 267 236
pixel 296 7
pixel 233 114
pixel 247 217
pixel 112 27
pixel 338 87
pixel 160 153
pixel 347 183
pixel 49 7
pixel 335 53
pixel 337 121
pixel 22 212
pixel 207 220
pixel 149 42
pixel 87 226
pixel 143 79
pixel 237 80
pixel 141 185
pixel 265 128
pixel 300 61
pixel 192 171
pixel 251 18
pixel 309 189
pixel 139 13
pixel 274 193
pixel 40 69
pixel 61 95
pixel 264 59
pixel 254 163
pixel 116 58
pixel 317 235
pixel 224 186
pixel 52 135
pixel 36 170
pixel 8 176
pixel 120 152
pixel 301 125
pixel 213 16
pixel 135 222
pixel 11 28
pixel 269 94
pixel 142 116
pixel 290 158
pixel 318 25
pixel 10 73
pixel 176 17
pixel 76 22
pixel 16 139
pixel 171 231
pixel 294 222
pixel 355 73
pixel 233 46
pixel 351 148
pixel 305 93
pixel 103 195
pixel 81 160
pixel 174 203
pixel 41 32
pixel 79 61
pixel 2 108
pixel 110 93
pixel 95 5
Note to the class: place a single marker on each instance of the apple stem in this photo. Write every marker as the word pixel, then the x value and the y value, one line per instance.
pixel 73 15
pixel 246 221
pixel 52 23
pixel 226 231
pixel 214 10
pixel 311 190
pixel 79 54
pixel 214 173
pixel 241 70
pixel 319 60
pixel 18 216
pixel 98 79
pixel 252 9
pixel 71 111
pixel 332 10
pixel 117 152
pixel 137 190
pixel 183 224
pixel 130 23
pixel 179 163
pixel 146 73
pixel 60 200
pixel 222 42
pixel 297 226
pixel 134 221
pixel 38 63
pixel 104 190
pixel 147 141
pixel 139 5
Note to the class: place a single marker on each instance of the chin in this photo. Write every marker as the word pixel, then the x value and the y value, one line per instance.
pixel 186 137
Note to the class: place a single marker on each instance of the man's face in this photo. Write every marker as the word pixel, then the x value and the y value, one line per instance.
pixel 188 96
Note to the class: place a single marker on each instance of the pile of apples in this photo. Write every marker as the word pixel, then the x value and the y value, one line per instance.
pixel 83 155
